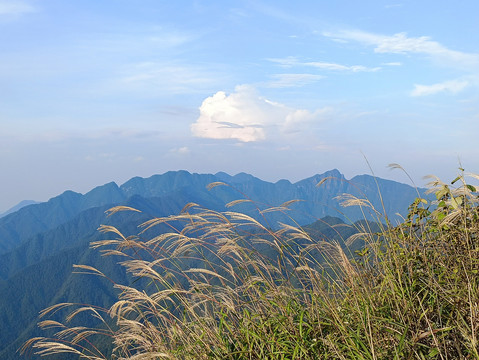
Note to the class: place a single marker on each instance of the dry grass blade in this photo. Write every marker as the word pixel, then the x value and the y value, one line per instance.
pixel 472 175
pixel 326 179
pixel 205 271
pixel 355 237
pixel 235 216
pixel 307 268
pixel 274 209
pixel 236 202
pixel 395 166
pixel 215 184
pixel 91 270
pixel 53 348
pixel 29 344
pixel 150 356
pixel 290 202
pixel 116 209
pixel 188 207
pixel 83 309
pixel 433 183
pixel 347 200
pixel 48 324
pixel 54 308
pixel 111 229
pixel 452 217
pixel 100 243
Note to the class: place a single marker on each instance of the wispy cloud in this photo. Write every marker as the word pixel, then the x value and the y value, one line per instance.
pixel 247 117
pixel 14 7
pixel 171 78
pixel 170 39
pixel 390 6
pixel 181 151
pixel 453 86
pixel 340 67
pixel 289 62
pixel 400 43
pixel 49 135
pixel 113 157
pixel 293 80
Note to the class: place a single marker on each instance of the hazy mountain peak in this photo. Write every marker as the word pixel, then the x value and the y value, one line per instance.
pixel 315 179
pixel 17 207
pixel 222 176
pixel 283 182
pixel 243 177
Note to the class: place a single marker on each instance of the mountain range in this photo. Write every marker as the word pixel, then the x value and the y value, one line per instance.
pixel 40 242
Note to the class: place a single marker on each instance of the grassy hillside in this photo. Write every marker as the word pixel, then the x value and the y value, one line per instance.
pixel 221 285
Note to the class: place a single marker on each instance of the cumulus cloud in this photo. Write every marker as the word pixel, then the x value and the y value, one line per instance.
pixel 12 7
pixel 400 43
pixel 453 86
pixel 245 116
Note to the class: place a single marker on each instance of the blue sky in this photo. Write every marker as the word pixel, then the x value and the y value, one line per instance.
pixel 99 91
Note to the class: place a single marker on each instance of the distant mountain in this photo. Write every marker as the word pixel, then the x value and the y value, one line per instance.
pixel 17 207
pixel 318 201
pixel 39 243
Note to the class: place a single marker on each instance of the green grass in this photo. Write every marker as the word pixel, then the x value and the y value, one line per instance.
pixel 220 285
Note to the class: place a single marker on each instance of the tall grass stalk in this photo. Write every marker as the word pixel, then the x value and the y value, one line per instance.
pixel 221 285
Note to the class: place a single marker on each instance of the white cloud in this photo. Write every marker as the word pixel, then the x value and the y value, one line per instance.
pixel 184 150
pixel 286 62
pixel 293 80
pixel 400 43
pixel 394 63
pixel 453 86
pixel 168 78
pixel 101 156
pixel 245 116
pixel 339 67
pixel 171 39
pixel 289 62
pixel 50 135
pixel 393 6
pixel 12 7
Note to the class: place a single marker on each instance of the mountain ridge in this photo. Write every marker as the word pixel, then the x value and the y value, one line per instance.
pixel 39 240
pixel 20 225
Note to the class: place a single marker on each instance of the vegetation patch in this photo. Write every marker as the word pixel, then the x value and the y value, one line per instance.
pixel 222 285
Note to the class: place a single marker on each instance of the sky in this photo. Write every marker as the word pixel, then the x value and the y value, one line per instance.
pixel 98 91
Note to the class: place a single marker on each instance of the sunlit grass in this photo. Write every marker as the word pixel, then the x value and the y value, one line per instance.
pixel 221 285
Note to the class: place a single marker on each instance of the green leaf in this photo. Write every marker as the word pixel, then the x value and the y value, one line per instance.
pixel 433 352
pixel 472 188
pixel 441 193
pixel 455 180
pixel 441 216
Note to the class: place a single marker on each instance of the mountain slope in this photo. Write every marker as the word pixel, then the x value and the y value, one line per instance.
pixel 30 220
pixel 39 243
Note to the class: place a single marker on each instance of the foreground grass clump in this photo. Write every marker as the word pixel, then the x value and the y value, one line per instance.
pixel 221 285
